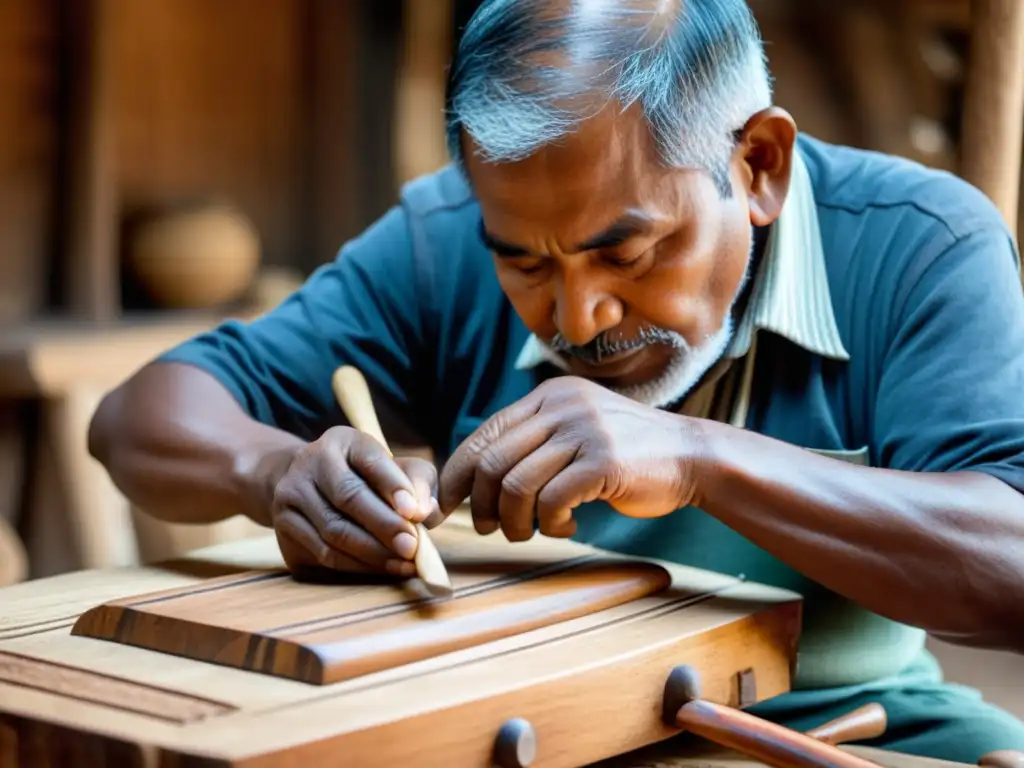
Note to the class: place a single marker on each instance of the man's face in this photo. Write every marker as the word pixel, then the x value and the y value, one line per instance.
pixel 595 242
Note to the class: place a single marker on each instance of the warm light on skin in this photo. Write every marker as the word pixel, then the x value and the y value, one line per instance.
pixel 595 235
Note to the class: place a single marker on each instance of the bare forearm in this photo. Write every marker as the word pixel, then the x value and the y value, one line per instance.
pixel 944 552
pixel 180 448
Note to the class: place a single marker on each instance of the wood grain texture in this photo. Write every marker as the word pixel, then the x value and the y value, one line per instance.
pixel 29 154
pixel 109 691
pixel 268 622
pixel 38 744
pixel 591 686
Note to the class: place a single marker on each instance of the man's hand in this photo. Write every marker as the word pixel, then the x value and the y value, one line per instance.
pixel 345 504
pixel 568 442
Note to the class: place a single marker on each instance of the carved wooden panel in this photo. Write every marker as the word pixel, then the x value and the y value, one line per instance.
pixel 321 634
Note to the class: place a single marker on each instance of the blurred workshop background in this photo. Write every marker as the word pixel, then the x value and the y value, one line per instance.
pixel 167 163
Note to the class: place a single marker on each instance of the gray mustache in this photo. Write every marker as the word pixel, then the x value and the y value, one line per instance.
pixel 606 346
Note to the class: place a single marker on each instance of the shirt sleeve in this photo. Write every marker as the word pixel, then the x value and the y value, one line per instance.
pixel 951 390
pixel 361 309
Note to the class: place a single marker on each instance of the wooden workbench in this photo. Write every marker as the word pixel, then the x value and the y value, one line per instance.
pixel 66 698
pixel 591 685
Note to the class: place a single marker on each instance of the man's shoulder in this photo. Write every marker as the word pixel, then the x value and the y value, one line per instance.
pixel 443 190
pixel 443 218
pixel 452 262
pixel 863 184
pixel 886 222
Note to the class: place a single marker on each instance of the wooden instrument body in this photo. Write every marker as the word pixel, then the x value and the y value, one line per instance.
pixel 590 685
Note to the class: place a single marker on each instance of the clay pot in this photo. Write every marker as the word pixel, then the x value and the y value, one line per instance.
pixel 198 257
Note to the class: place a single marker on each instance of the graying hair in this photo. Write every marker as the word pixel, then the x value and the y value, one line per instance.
pixel 528 72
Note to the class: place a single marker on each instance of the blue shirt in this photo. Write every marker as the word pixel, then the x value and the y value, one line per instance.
pixel 889 321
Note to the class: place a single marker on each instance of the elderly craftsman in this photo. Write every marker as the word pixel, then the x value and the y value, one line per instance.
pixel 641 310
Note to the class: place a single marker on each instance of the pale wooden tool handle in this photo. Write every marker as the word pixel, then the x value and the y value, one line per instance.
pixel 1003 758
pixel 867 722
pixel 353 396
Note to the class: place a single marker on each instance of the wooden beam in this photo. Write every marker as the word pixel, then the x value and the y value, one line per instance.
pixel 419 139
pixel 993 124
pixel 91 275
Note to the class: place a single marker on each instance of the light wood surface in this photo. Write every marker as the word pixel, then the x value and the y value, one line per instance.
pixel 591 686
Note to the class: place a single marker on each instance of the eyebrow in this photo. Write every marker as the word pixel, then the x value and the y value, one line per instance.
pixel 628 226
pixel 500 247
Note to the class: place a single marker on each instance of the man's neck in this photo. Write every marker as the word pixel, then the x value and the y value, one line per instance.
pixel 757 251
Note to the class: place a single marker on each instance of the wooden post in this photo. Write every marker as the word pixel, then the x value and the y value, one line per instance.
pixel 91 275
pixel 419 115
pixel 993 125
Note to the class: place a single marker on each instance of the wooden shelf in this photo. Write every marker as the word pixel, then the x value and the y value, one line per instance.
pixel 47 358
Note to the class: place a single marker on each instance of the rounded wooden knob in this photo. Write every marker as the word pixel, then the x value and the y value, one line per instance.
pixel 515 745
pixel 1003 758
pixel 681 687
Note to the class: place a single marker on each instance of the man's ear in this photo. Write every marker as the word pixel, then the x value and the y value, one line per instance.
pixel 764 153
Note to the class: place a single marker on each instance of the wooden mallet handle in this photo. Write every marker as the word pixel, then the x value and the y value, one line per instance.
pixel 762 740
pixel 353 396
pixel 745 733
pixel 1002 758
pixel 867 722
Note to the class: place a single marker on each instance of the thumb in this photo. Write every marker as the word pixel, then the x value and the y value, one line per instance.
pixel 423 475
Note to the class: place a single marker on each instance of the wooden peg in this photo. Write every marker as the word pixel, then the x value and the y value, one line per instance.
pixel 353 396
pixel 867 722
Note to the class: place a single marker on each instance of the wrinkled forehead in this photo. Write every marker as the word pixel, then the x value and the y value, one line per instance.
pixel 576 187
pixel 607 158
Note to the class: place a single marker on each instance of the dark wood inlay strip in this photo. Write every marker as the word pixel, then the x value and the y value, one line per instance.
pixel 204 588
pixel 390 609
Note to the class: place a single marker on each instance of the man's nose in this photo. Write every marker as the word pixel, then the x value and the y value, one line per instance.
pixel 583 313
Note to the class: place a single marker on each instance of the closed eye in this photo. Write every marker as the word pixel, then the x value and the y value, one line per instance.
pixel 527 266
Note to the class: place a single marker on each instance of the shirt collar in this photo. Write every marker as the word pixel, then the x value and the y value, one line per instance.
pixel 790 295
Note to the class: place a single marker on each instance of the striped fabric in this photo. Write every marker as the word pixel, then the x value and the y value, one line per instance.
pixel 791 295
